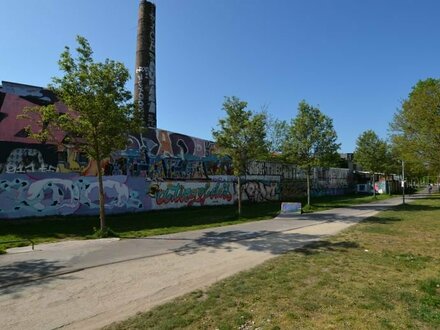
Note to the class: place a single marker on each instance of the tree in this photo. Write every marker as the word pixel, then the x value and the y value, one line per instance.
pixel 241 136
pixel 415 129
pixel 372 154
pixel 311 141
pixel 276 134
pixel 99 113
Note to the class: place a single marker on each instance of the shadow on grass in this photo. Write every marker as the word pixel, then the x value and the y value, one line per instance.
pixel 382 220
pixel 415 207
pixel 324 246
pixel 18 275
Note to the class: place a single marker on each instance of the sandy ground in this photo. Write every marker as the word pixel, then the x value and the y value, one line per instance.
pixel 96 289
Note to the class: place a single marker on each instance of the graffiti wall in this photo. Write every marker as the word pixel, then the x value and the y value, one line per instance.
pixel 44 194
pixel 165 155
pixel 324 182
pixel 283 170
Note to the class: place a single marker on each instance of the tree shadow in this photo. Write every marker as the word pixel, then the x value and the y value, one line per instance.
pixel 326 246
pixel 415 207
pixel 263 241
pixel 382 220
pixel 18 275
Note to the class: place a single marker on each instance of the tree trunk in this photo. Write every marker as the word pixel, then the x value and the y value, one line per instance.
pixel 308 186
pixel 239 196
pixel 374 190
pixel 101 197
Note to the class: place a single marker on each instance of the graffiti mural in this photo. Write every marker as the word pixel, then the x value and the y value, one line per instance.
pixel 22 195
pixel 164 155
pixel 330 181
pixel 260 191
pixel 21 158
pixel 181 194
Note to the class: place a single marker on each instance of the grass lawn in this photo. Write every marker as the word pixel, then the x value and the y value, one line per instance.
pixel 53 229
pixel 383 273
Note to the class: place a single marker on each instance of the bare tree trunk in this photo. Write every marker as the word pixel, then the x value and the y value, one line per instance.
pixel 374 190
pixel 101 197
pixel 308 186
pixel 239 196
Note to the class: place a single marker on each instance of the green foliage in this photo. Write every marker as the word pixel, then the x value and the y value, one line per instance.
pixel 276 134
pixel 415 130
pixel 311 140
pixel 371 152
pixel 241 134
pixel 99 113
pixel 104 233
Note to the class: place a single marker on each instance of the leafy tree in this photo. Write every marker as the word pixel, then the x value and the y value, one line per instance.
pixel 276 134
pixel 372 154
pixel 415 129
pixel 241 135
pixel 311 141
pixel 99 113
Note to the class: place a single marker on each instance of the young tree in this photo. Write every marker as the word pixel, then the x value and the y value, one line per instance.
pixel 241 136
pixel 276 134
pixel 99 113
pixel 372 154
pixel 311 141
pixel 415 130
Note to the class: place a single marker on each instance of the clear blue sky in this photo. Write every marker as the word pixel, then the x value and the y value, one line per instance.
pixel 355 59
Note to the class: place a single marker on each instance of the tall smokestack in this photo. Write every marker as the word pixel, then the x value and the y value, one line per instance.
pixel 145 78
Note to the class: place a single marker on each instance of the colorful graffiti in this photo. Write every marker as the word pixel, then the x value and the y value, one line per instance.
pixel 44 194
pixel 283 170
pixel 182 194
pixel 22 195
pixel 164 155
pixel 157 154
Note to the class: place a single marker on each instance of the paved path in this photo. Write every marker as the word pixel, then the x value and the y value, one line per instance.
pixel 89 284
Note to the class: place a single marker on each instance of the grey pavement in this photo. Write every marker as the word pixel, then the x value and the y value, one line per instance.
pixel 22 265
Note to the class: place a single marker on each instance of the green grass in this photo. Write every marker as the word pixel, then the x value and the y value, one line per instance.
pixel 53 229
pixel 383 273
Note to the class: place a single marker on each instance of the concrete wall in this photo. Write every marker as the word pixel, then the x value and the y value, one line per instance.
pixel 44 194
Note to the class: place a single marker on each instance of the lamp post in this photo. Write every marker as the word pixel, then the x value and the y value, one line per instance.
pixel 403 181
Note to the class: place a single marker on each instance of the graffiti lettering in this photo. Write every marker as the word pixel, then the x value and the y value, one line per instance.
pixel 256 191
pixel 190 195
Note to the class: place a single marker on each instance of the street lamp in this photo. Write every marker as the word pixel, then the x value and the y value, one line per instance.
pixel 403 181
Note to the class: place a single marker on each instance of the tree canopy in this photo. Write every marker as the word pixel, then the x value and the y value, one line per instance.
pixel 371 152
pixel 415 129
pixel 241 136
pixel 311 141
pixel 276 134
pixel 99 113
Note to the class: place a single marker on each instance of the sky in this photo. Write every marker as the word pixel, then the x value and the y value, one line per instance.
pixel 356 60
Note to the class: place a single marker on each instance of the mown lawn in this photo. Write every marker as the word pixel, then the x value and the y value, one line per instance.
pixel 383 273
pixel 53 229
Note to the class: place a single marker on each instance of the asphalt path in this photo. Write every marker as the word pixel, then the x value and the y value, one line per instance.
pixel 89 284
